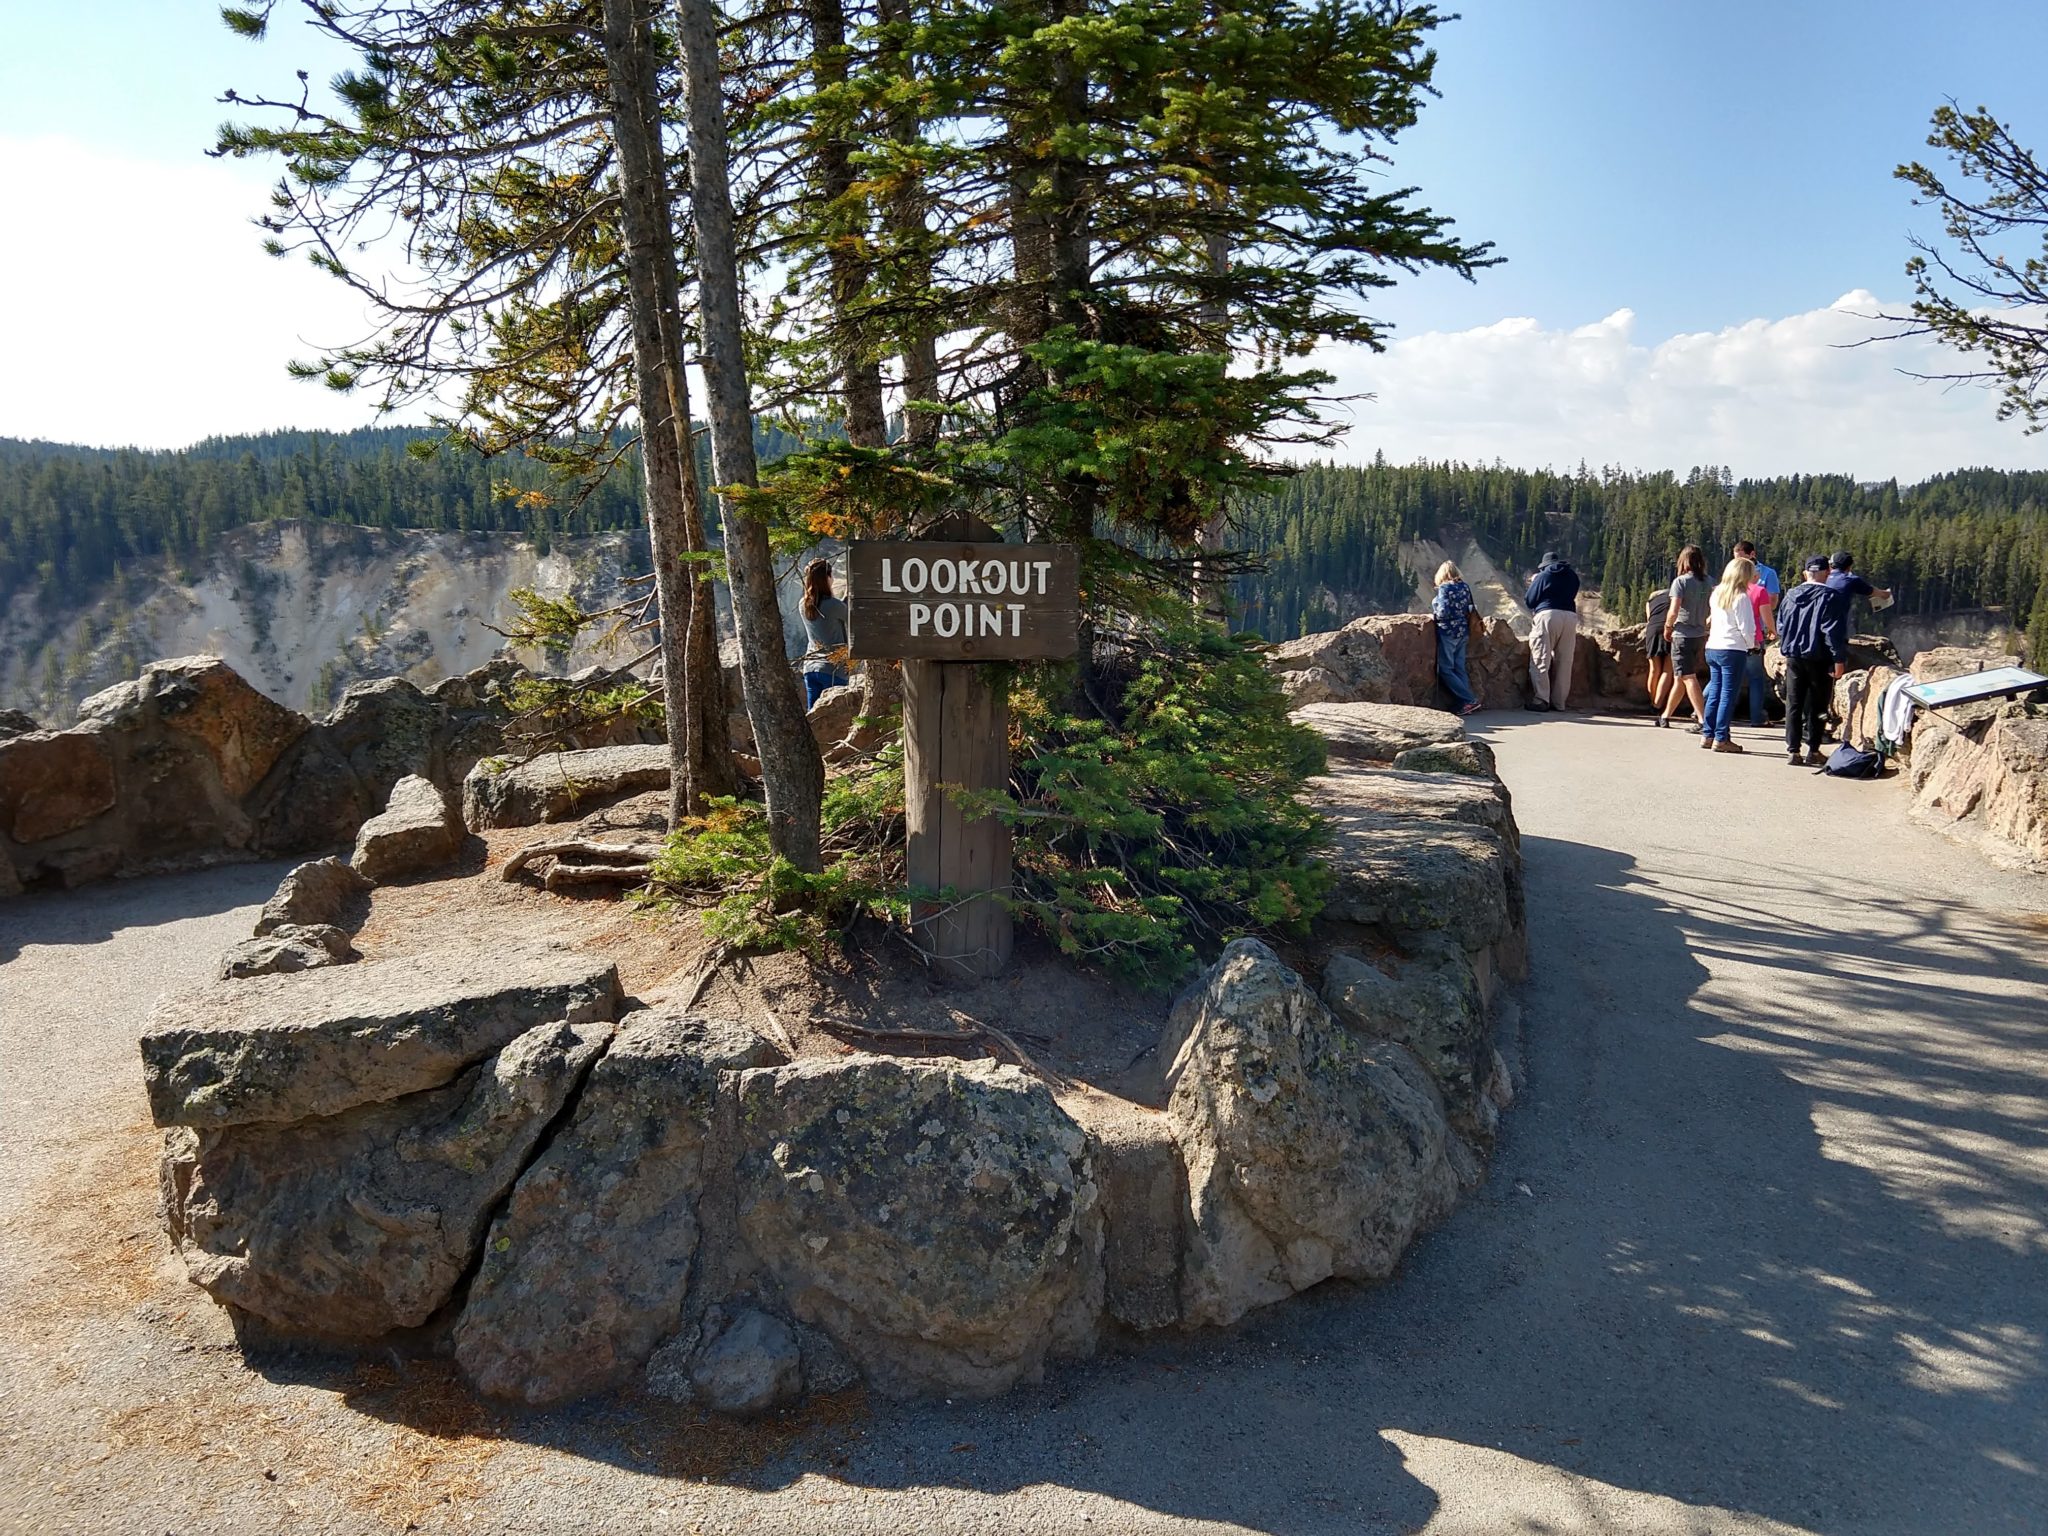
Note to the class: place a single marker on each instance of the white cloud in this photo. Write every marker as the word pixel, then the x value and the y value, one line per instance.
pixel 141 308
pixel 1763 397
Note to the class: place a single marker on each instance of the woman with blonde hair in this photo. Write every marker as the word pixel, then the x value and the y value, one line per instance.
pixel 1731 631
pixel 1455 621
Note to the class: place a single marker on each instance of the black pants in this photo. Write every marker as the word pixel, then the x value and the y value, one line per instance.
pixel 1809 689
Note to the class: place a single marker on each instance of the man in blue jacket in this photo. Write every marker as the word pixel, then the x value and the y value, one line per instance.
pixel 1553 599
pixel 1813 635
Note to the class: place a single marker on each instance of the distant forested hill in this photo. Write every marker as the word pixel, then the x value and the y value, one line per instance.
pixel 1966 540
pixel 70 518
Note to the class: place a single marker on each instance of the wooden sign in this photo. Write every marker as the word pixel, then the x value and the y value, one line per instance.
pixel 930 601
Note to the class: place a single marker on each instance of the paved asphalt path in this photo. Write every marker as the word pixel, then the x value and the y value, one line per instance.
pixel 1764 1248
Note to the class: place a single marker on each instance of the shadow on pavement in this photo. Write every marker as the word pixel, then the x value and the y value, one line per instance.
pixel 94 913
pixel 1771 1240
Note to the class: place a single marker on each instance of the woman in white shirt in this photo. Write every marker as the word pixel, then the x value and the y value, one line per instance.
pixel 1731 631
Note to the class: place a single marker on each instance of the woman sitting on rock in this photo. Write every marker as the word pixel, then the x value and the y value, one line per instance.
pixel 1455 622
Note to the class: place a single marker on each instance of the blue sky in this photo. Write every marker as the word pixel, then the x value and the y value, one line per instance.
pixel 1683 193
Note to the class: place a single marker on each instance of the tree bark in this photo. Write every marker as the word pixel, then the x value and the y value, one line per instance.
pixel 700 762
pixel 792 772
pixel 906 216
pixel 860 376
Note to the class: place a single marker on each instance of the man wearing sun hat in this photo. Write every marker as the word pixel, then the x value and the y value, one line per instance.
pixel 1813 635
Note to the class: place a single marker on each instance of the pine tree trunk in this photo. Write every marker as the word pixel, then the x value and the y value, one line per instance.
pixel 700 760
pixel 860 376
pixel 792 772
pixel 906 215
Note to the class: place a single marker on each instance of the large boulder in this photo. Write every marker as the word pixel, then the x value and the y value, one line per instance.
pixel 53 782
pixel 1378 733
pixel 586 1269
pixel 207 702
pixel 1474 759
pixel 1310 1152
pixel 415 832
pixel 1429 1002
pixel 357 1224
pixel 1411 877
pixel 1343 666
pixel 559 785
pixel 2016 792
pixel 283 1048
pixel 832 717
pixel 938 1220
pixel 320 892
pixel 1397 792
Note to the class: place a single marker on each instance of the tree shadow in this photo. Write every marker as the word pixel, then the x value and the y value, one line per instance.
pixel 94 913
pixel 1770 1237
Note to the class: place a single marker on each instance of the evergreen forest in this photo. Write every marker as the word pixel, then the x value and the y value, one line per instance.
pixel 1328 537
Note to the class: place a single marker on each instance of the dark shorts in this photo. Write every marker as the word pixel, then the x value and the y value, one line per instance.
pixel 1657 643
pixel 1689 655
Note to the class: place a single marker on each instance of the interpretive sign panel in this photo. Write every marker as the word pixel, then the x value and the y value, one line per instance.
pixel 929 601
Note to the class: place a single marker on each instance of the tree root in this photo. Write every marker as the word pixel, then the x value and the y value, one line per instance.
pixel 610 861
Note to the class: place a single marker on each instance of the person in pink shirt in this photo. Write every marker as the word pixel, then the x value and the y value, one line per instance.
pixel 1763 602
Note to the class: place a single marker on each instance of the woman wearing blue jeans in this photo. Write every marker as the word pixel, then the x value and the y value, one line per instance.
pixel 1731 631
pixel 1453 609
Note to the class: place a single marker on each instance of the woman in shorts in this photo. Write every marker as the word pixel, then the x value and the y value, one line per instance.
pixel 1685 626
pixel 1658 646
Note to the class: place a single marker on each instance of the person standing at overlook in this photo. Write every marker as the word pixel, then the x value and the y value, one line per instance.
pixel 1813 635
pixel 1553 598
pixel 824 618
pixel 1731 633
pixel 1657 647
pixel 1763 597
pixel 1685 626
pixel 1842 576
pixel 1455 621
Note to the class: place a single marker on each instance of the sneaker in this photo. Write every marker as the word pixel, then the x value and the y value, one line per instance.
pixel 1471 709
pixel 1706 743
pixel 1729 746
pixel 1796 759
pixel 1539 706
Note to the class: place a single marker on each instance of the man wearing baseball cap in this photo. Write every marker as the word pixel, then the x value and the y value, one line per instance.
pixel 1843 578
pixel 1813 635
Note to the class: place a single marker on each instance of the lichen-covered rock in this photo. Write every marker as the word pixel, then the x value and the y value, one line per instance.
pixel 1310 1152
pixel 585 1271
pixel 1378 733
pixel 1430 796
pixel 1429 1002
pixel 52 782
pixel 558 785
pixel 1472 758
pixel 1350 666
pixel 2016 794
pixel 354 1225
pixel 317 893
pixel 287 947
pixel 1412 876
pixel 938 1220
pixel 282 1048
pixel 243 731
pixel 415 832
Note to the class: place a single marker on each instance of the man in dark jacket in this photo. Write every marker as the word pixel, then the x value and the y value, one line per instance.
pixel 1813 634
pixel 1553 599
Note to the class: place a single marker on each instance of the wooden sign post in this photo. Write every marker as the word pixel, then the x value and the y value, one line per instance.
pixel 943 610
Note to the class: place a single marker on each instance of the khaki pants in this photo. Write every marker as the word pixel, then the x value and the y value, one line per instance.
pixel 1552 638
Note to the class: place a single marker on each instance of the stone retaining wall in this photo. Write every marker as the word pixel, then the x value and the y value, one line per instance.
pixel 499 1159
pixel 1976 771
